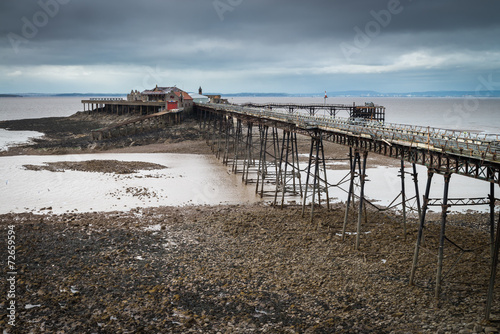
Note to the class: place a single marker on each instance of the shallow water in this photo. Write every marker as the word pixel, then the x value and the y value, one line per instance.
pixel 189 179
pixel 383 186
pixel 12 138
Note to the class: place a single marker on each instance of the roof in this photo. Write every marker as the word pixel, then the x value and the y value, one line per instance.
pixel 185 95
pixel 161 90
pixel 197 96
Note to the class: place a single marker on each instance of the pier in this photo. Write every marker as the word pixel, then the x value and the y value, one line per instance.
pixel 120 106
pixel 260 142
pixel 150 114
pixel 368 111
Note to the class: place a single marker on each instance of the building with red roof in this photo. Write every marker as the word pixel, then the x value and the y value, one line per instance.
pixel 174 98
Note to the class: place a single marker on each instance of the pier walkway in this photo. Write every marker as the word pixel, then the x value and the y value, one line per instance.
pixel 369 110
pixel 447 151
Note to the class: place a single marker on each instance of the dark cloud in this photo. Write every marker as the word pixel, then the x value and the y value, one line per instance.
pixel 277 39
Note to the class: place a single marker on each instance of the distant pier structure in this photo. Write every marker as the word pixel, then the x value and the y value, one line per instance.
pixel 158 99
pixel 154 108
pixel 368 111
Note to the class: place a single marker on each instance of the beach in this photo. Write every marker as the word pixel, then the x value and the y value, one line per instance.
pixel 235 267
pixel 239 268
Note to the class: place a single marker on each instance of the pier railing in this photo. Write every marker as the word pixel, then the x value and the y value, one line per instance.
pixel 478 145
pixel 106 99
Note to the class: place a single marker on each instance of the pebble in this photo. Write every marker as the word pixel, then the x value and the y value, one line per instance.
pixel 224 271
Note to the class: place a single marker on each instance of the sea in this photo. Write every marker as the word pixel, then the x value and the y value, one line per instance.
pixel 203 180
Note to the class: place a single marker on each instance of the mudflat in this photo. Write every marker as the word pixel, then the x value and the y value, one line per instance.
pixel 240 269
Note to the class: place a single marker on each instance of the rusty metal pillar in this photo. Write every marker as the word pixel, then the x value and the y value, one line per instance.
pixel 281 176
pixel 403 196
pixel 237 141
pixel 352 165
pixel 276 149
pixel 307 179
pixel 417 192
pixel 295 164
pixel 262 168
pixel 362 177
pixel 492 200
pixel 211 131
pixel 284 176
pixel 249 160
pixel 228 130
pixel 430 174
pixel 221 120
pixel 494 266
pixel 442 235
pixel 317 160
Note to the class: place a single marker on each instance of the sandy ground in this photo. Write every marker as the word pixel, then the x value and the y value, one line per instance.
pixel 240 269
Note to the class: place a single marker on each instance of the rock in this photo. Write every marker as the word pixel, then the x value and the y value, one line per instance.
pixel 490 330
pixel 477 328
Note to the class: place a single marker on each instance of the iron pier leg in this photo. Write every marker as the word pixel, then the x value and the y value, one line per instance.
pixel 249 155
pixel 237 140
pixel 223 128
pixel 444 213
pixel 417 192
pixel 260 170
pixel 279 176
pixel 229 134
pixel 227 126
pixel 212 133
pixel 324 171
pixel 264 161
pixel 294 150
pixel 492 217
pixel 352 163
pixel 494 265
pixel 277 161
pixel 295 155
pixel 430 174
pixel 316 181
pixel 286 166
pixel 307 176
pixel 276 149
pixel 362 178
pixel 403 196
pixel 318 160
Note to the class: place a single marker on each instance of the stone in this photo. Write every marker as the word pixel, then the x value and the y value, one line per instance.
pixel 478 328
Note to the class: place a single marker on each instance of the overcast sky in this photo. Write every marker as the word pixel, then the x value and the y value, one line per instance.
pixel 232 46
